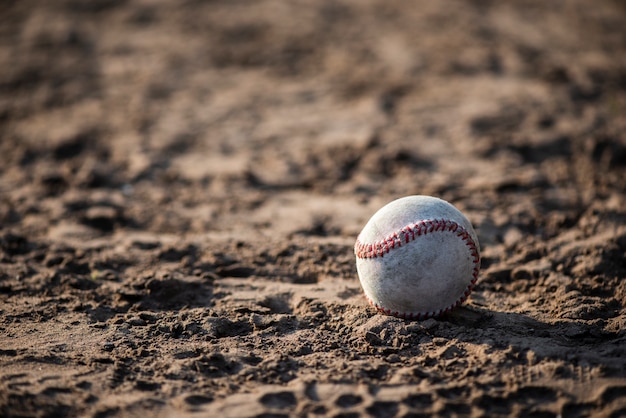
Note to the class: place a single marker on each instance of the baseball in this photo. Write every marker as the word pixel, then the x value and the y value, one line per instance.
pixel 417 257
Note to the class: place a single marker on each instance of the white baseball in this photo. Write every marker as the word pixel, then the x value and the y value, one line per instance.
pixel 417 257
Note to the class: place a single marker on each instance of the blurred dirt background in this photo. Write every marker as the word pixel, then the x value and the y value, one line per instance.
pixel 182 183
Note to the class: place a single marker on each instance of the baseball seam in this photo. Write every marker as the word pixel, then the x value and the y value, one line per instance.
pixel 408 234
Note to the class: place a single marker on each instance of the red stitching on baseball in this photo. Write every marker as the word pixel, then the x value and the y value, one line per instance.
pixel 410 233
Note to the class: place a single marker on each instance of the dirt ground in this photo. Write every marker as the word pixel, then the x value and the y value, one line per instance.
pixel 182 184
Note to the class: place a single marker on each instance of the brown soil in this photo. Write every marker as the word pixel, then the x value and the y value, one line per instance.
pixel 182 183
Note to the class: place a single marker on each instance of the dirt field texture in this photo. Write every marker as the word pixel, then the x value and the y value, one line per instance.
pixel 182 184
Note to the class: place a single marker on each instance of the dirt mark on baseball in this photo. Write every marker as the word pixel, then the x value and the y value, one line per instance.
pixel 182 184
